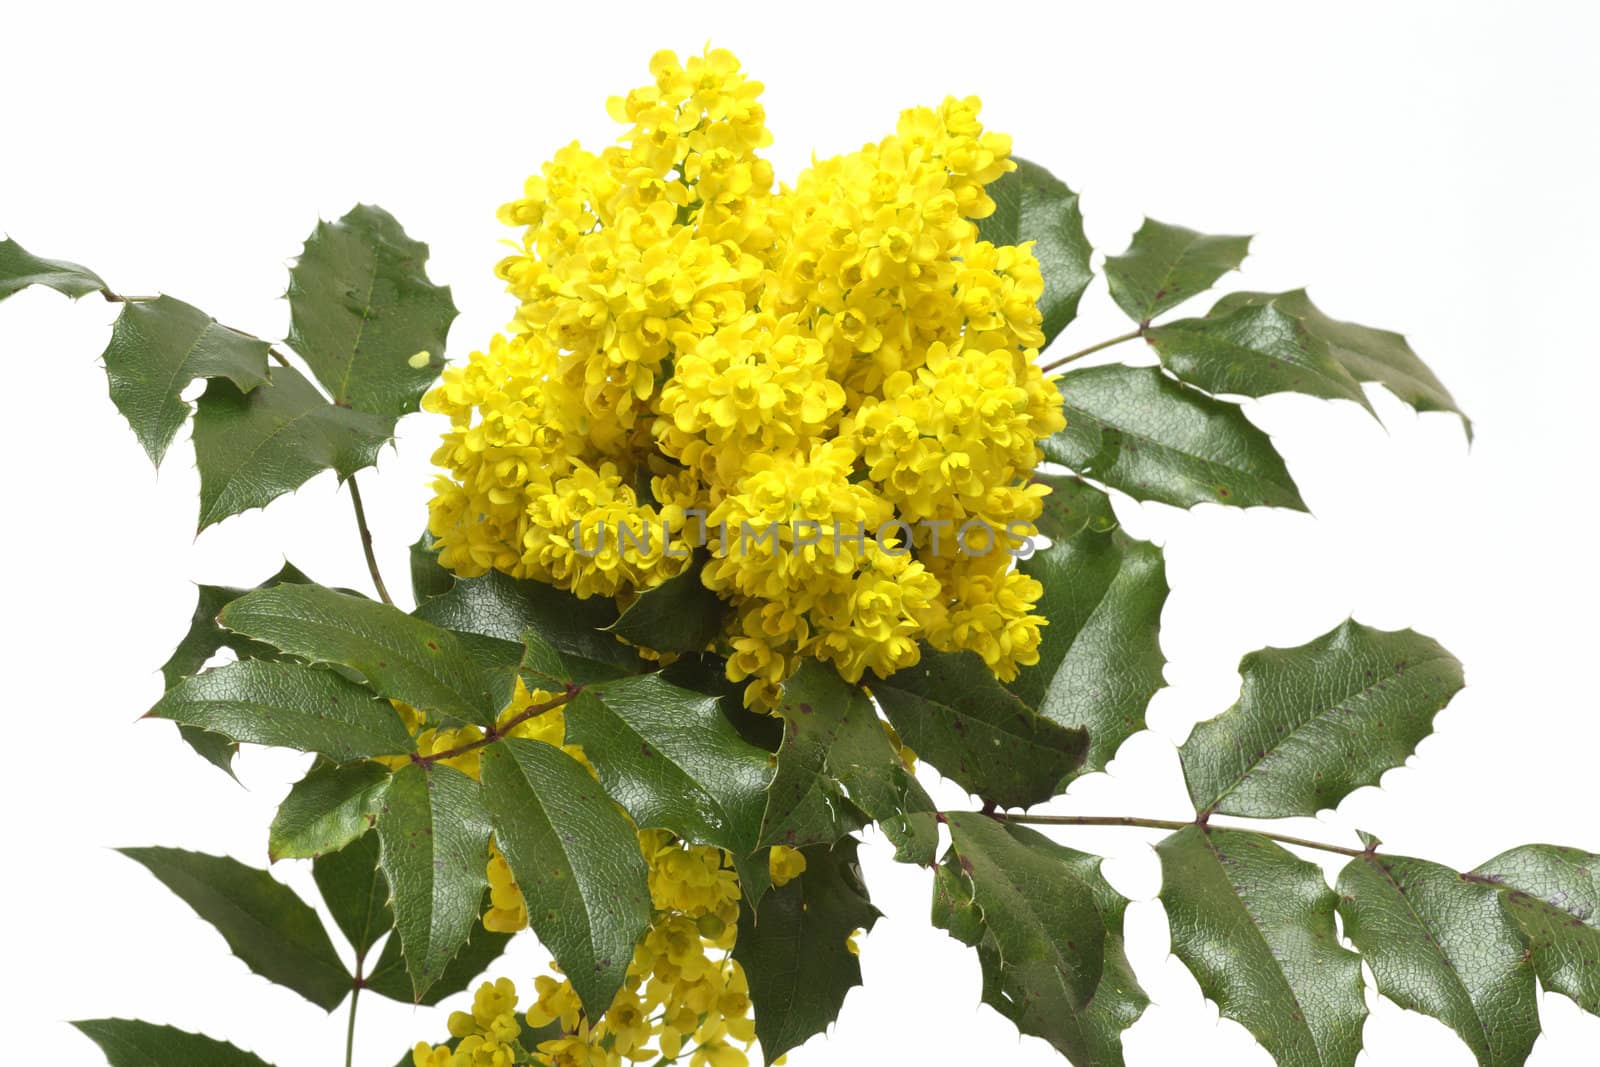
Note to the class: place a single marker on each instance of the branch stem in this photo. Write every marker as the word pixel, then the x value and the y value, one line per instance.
pixel 350 1030
pixel 1165 824
pixel 1091 350
pixel 495 733
pixel 366 543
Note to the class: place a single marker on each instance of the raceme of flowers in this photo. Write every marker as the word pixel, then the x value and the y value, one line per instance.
pixel 684 995
pixel 700 352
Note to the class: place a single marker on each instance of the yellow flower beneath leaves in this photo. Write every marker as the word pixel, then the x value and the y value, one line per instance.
pixel 839 368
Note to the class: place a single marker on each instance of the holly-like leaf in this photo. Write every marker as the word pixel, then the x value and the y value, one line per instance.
pixel 401 656
pixel 1072 507
pixel 1552 894
pixel 1135 429
pixel 951 711
pixel 20 268
pixel 133 1043
pixel 157 348
pixel 274 932
pixel 1317 722
pixel 679 615
pixel 1166 265
pixel 794 948
pixel 365 317
pixel 1443 946
pixel 290 705
pixel 333 805
pixel 1369 355
pixel 1100 658
pixel 388 977
pixel 836 758
pixel 1020 899
pixel 1255 926
pixel 253 447
pixel 1031 204
pixel 1254 350
pixel 576 859
pixel 428 576
pixel 355 891
pixel 672 760
pixel 434 847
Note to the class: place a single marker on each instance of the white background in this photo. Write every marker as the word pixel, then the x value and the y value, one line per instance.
pixel 1425 167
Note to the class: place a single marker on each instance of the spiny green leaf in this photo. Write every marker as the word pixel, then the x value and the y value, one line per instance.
pixel 1317 722
pixel 1255 926
pixel 672 760
pixel 1137 430
pixel 20 268
pixel 1553 896
pixel 132 1043
pixel 362 309
pixel 428 577
pixel 836 758
pixel 388 977
pixel 1443 946
pixel 267 702
pixel 333 805
pixel 401 656
pixel 434 838
pixel 1031 204
pixel 1100 657
pixel 1166 265
pixel 1033 991
pixel 274 932
pixel 951 711
pixel 253 447
pixel 1254 350
pixel 576 859
pixel 157 348
pixel 354 889
pixel 1072 507
pixel 794 948
pixel 1369 355
pixel 679 615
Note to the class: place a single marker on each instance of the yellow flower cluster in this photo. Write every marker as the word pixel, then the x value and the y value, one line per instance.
pixel 702 359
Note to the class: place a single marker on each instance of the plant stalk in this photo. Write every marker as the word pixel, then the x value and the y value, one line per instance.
pixel 366 543
pixel 1091 350
pixel 350 1031
pixel 1165 824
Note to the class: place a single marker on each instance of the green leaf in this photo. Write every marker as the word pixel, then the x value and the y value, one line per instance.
pixel 355 892
pixel 157 348
pixel 267 702
pixel 1254 350
pixel 1031 204
pixel 402 657
pixel 679 615
pixel 1552 894
pixel 333 805
pixel 672 760
pixel 132 1043
pixel 253 447
pixel 388 977
pixel 1369 355
pixel 1137 430
pixel 1166 265
pixel 952 712
pixel 835 758
pixel 499 606
pixel 1100 657
pixel 576 859
pixel 1442 945
pixel 20 268
pixel 1317 722
pixel 1072 507
pixel 794 948
pixel 434 838
pixel 274 932
pixel 428 577
pixel 1255 926
pixel 1022 901
pixel 361 307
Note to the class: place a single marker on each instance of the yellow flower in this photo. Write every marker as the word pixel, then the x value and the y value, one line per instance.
pixel 785 864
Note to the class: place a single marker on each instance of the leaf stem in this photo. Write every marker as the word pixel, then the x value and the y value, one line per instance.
pixel 1165 824
pixel 1091 350
pixel 366 543
pixel 495 733
pixel 118 298
pixel 350 1030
